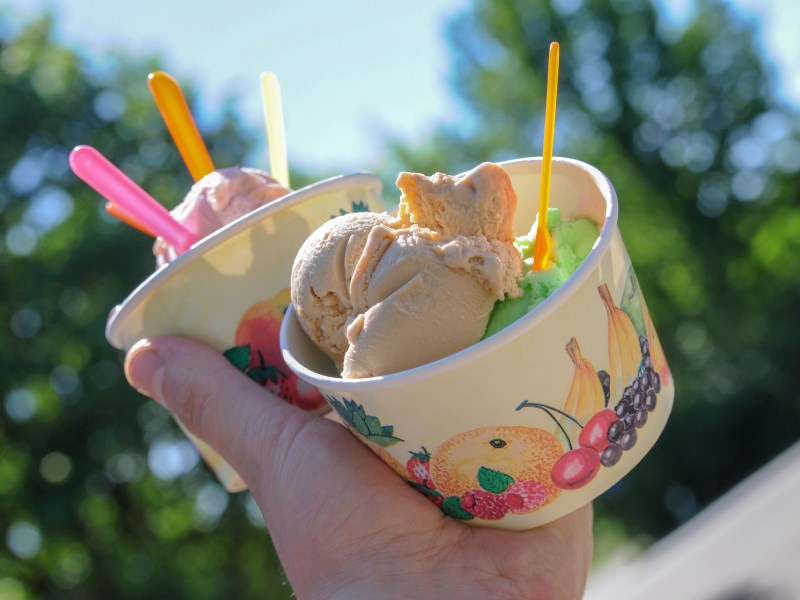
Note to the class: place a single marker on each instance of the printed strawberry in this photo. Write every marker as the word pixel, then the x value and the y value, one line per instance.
pixel 525 496
pixel 484 505
pixel 419 467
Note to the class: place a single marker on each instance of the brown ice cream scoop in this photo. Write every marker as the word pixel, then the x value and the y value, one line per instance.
pixel 381 294
pixel 321 277
pixel 480 202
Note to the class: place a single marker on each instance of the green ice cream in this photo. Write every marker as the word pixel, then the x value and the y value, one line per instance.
pixel 572 241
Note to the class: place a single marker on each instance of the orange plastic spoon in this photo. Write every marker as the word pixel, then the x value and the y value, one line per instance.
pixel 176 114
pixel 543 248
pixel 115 211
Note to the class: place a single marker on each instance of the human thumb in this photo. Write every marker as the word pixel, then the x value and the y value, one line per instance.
pixel 230 412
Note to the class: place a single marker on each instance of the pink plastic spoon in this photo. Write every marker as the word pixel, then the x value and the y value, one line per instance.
pixel 106 179
pixel 114 211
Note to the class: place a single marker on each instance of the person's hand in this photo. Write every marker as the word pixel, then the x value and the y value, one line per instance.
pixel 343 523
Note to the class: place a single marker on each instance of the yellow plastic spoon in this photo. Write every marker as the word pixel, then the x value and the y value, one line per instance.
pixel 176 114
pixel 543 248
pixel 273 118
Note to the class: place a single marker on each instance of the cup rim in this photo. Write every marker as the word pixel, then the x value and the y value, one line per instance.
pixel 495 341
pixel 120 312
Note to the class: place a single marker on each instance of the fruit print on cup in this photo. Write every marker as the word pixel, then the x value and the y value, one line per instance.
pixel 490 471
pixel 586 393
pixel 527 365
pixel 624 354
pixel 257 353
pixel 631 411
pixel 576 468
pixel 355 206
pixel 631 344
pixel 369 429
pixel 634 304
pixel 487 473
pixel 609 432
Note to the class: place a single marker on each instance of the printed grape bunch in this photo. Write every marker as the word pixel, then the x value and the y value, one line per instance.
pixel 638 400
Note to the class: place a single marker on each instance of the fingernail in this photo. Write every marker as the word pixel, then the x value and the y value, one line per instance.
pixel 144 368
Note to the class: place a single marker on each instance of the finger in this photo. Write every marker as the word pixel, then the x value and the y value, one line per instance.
pixel 552 559
pixel 570 551
pixel 238 418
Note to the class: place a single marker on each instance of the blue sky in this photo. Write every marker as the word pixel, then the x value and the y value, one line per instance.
pixel 349 70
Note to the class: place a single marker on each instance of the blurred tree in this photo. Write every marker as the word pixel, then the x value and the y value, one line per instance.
pixel 82 515
pixel 704 158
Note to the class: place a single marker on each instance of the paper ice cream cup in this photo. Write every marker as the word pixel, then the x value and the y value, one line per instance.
pixel 231 289
pixel 541 417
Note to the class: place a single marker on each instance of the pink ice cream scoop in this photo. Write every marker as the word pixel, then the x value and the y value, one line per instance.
pixel 217 199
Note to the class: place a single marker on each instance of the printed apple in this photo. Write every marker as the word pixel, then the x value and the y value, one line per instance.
pixel 257 352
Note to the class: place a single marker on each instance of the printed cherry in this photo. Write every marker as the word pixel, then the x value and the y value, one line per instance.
pixel 576 468
pixel 595 432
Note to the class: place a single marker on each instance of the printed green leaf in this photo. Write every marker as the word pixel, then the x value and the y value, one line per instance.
pixel 631 303
pixel 338 406
pixel 432 493
pixel 258 375
pixel 266 373
pixel 423 455
pixel 356 206
pixel 360 206
pixel 373 425
pixel 383 440
pixel 452 507
pixel 360 424
pixel 366 425
pixel 239 356
pixel 493 481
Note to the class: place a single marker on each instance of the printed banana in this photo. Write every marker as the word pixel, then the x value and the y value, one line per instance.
pixel 656 352
pixel 624 350
pixel 585 396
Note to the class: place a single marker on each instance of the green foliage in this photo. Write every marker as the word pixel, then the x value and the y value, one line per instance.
pixel 83 515
pixel 705 161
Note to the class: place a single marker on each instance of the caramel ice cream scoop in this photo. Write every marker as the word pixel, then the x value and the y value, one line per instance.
pixel 381 294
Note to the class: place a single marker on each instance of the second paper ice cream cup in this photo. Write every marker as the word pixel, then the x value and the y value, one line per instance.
pixel 231 291
pixel 539 418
